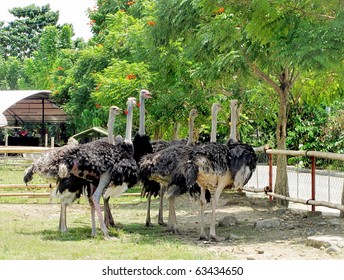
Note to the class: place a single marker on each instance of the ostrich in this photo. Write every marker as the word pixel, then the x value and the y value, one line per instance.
pixel 213 166
pixel 153 170
pixel 113 165
pixel 143 146
pixel 69 189
pixel 194 190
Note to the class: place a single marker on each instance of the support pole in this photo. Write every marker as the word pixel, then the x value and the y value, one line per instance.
pixel 270 175
pixel 313 181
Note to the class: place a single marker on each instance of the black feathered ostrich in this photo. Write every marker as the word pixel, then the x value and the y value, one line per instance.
pixel 71 188
pixel 113 165
pixel 143 146
pixel 159 167
pixel 153 169
pixel 214 166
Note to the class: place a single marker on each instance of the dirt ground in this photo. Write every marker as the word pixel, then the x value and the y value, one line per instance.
pixel 285 236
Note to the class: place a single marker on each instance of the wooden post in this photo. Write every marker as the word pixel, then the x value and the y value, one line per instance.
pixel 52 142
pixel 46 140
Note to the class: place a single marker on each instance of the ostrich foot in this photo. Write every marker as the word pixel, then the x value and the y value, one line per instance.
pixel 162 223
pixel 63 230
pixel 110 238
pixel 216 238
pixel 174 230
pixel 203 237
pixel 149 224
pixel 110 223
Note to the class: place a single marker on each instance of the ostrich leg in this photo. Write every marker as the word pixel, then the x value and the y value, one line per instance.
pixel 63 219
pixel 214 202
pixel 172 219
pixel 108 219
pixel 203 202
pixel 161 206
pixel 148 218
pixel 93 218
pixel 103 182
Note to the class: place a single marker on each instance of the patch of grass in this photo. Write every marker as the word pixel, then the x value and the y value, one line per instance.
pixel 34 236
pixel 29 230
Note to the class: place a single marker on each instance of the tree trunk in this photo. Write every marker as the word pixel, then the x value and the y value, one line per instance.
pixel 281 183
pixel 341 215
pixel 286 81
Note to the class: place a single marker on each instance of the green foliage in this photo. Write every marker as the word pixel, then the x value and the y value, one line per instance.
pixel 191 54
pixel 20 37
pixel 317 128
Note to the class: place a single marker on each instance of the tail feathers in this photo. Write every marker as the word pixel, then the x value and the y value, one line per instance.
pixel 63 171
pixel 28 174
pixel 115 191
pixel 195 191
pixel 184 180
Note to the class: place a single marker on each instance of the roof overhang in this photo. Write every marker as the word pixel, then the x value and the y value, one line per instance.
pixel 29 106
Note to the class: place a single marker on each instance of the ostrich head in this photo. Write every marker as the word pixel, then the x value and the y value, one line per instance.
pixel 193 114
pixel 216 107
pixel 145 94
pixel 131 102
pixel 115 111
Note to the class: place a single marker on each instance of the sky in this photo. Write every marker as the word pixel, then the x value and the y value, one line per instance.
pixel 71 11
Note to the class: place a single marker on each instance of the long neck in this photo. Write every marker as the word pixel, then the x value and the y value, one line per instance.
pixel 191 131
pixel 234 118
pixel 111 126
pixel 129 124
pixel 142 130
pixel 213 124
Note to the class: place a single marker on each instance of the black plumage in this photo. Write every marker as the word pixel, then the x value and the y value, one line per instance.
pixel 212 166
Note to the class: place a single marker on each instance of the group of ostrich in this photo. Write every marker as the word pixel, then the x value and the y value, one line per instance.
pixel 108 167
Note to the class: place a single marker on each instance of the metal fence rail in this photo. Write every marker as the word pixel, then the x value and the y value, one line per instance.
pixel 308 183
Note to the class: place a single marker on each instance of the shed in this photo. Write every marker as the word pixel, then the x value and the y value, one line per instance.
pixel 19 107
pixel 91 134
pixel 29 106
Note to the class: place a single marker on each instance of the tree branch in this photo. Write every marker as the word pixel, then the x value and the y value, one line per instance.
pixel 265 78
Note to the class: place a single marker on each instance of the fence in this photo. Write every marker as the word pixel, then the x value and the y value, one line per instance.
pixel 25 160
pixel 26 151
pixel 314 179
pixel 308 184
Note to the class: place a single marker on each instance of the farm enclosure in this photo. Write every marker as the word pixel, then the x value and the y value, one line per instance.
pixel 34 222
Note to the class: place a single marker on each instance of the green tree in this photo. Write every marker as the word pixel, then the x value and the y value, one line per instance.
pixel 20 37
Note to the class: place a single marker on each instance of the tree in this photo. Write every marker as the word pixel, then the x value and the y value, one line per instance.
pixel 278 41
pixel 20 37
pixel 286 45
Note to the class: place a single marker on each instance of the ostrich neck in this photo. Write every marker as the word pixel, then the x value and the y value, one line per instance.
pixel 191 131
pixel 110 127
pixel 234 118
pixel 142 130
pixel 129 124
pixel 213 125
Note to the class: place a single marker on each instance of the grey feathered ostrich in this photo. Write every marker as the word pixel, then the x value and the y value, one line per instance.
pixel 69 189
pixel 113 165
pixel 153 169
